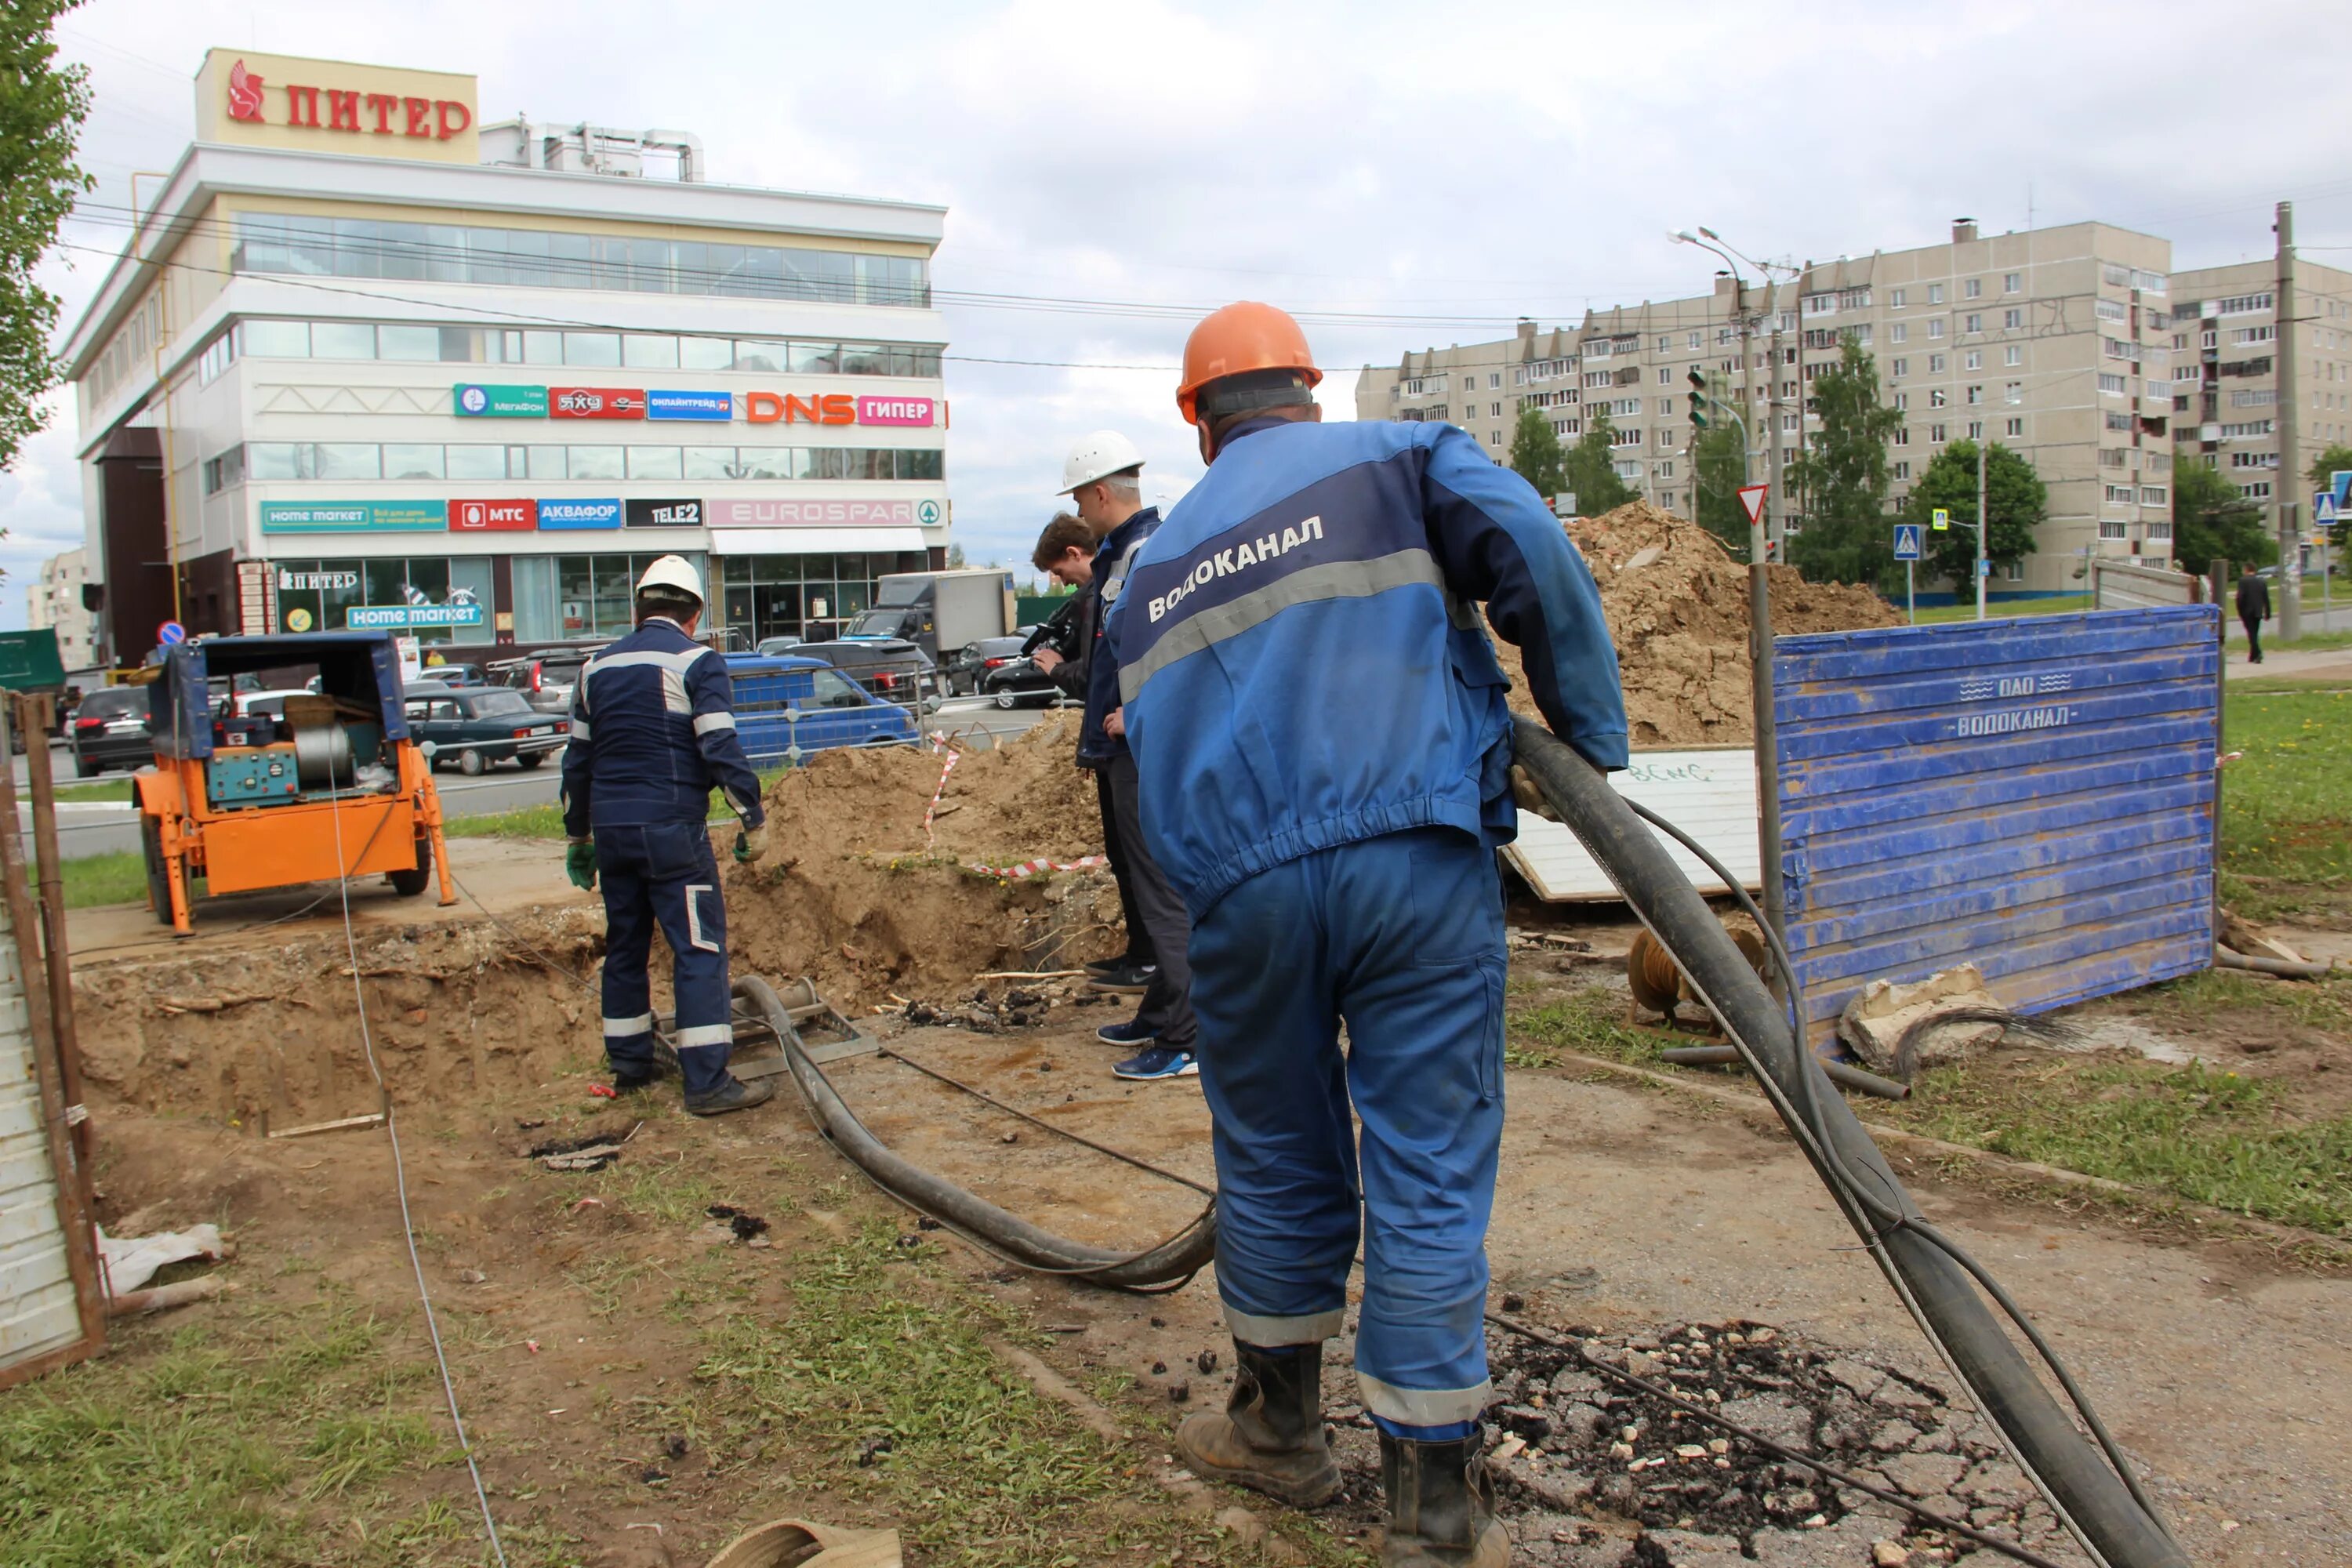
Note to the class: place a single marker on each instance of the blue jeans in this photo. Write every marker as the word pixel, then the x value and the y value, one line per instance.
pixel 1401 936
pixel 664 874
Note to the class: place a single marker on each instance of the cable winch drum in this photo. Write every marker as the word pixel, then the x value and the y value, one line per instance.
pixel 322 757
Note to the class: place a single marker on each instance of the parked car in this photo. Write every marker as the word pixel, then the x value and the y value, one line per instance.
pixel 962 669
pixel 110 731
pixel 1017 682
pixel 787 707
pixel 544 678
pixel 892 668
pixel 477 728
pixel 455 672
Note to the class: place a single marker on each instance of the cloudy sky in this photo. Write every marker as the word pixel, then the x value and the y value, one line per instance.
pixel 1435 171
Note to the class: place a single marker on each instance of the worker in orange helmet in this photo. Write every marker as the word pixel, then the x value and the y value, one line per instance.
pixel 1324 750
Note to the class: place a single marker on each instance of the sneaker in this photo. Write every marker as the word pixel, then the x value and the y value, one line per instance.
pixel 1131 1033
pixel 1105 965
pixel 1130 980
pixel 732 1095
pixel 1158 1061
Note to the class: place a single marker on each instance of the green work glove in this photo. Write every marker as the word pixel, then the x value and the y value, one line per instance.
pixel 751 843
pixel 580 864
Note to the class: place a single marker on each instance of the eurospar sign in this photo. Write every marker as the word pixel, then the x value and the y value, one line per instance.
pixel 478 400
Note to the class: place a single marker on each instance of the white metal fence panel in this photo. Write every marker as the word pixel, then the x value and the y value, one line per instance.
pixel 39 1312
pixel 1708 792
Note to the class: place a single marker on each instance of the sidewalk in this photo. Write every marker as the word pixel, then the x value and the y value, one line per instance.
pixel 2300 664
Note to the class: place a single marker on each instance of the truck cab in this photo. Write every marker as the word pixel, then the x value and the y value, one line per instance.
pixel 936 610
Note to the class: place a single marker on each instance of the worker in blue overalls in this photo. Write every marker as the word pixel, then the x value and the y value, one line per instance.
pixel 653 730
pixel 1319 727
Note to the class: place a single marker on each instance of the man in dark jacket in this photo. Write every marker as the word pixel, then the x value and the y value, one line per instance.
pixel 652 732
pixel 1065 552
pixel 2254 609
pixel 1103 477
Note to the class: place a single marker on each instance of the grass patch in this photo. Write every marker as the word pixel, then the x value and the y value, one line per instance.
pixel 118 879
pixel 2212 1137
pixel 547 821
pixel 1590 1022
pixel 2002 609
pixel 980 1469
pixel 2286 813
pixel 115 791
pixel 196 1454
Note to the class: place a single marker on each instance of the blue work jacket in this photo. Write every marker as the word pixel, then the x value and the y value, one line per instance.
pixel 1113 558
pixel 653 730
pixel 1301 663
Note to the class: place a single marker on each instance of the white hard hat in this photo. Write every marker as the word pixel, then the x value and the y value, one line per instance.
pixel 1098 456
pixel 673 572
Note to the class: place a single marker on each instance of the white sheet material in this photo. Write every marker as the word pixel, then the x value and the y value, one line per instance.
pixel 127 1262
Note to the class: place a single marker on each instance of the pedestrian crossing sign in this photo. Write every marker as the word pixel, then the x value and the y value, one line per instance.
pixel 1908 541
pixel 1943 519
pixel 2322 509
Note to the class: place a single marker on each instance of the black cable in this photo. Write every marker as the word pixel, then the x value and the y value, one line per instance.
pixel 1891 1219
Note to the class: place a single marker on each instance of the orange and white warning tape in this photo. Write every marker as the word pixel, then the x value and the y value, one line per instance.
pixel 939 743
pixel 1031 868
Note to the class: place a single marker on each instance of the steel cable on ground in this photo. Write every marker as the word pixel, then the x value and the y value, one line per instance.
pixel 1891 1219
pixel 400 1168
pixel 2019 1409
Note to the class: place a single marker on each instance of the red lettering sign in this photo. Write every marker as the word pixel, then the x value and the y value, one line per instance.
pixel 432 117
pixel 418 109
pixel 342 109
pixel 493 516
pixel 595 402
pixel 827 408
pixel 381 103
pixel 762 407
pixel 302 106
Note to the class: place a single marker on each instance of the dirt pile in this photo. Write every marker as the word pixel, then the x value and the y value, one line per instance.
pixel 1677 608
pixel 853 893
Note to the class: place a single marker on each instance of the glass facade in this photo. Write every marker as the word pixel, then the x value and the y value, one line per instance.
pixel 803 595
pixel 558 597
pixel 316 595
pixel 269 338
pixel 539 259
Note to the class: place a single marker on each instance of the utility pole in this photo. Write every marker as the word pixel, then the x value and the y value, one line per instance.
pixel 1984 523
pixel 1775 531
pixel 1766 542
pixel 2288 485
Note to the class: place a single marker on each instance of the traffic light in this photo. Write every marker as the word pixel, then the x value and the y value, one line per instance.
pixel 1698 380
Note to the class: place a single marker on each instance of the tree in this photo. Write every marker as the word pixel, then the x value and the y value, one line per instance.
pixel 1590 466
pixel 1537 455
pixel 1842 475
pixel 42 107
pixel 2335 459
pixel 2212 520
pixel 955 558
pixel 1718 467
pixel 2014 495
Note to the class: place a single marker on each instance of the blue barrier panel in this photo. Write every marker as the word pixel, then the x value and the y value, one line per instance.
pixel 2035 796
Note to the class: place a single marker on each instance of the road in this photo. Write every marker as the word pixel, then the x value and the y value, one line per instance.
pixel 110 826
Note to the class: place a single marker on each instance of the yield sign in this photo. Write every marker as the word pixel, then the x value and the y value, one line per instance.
pixel 1752 497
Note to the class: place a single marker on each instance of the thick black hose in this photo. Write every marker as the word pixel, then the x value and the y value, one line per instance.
pixel 1850 1077
pixel 2093 1497
pixel 1160 1267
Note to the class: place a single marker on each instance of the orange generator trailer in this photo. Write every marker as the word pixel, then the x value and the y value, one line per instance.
pixel 320 782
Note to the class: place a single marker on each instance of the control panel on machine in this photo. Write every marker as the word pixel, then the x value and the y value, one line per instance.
pixel 252 776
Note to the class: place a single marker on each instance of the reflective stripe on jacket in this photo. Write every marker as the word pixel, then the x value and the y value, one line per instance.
pixel 653 730
pixel 1300 663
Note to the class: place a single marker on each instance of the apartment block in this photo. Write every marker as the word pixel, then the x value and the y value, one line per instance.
pixel 2225 391
pixel 53 600
pixel 2055 343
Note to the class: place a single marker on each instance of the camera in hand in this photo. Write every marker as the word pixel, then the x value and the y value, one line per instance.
pixel 1058 631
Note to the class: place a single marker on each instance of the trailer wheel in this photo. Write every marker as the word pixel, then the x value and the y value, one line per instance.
pixel 159 875
pixel 408 884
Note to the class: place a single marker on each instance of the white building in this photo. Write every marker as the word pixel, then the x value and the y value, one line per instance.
pixel 366 363
pixel 54 601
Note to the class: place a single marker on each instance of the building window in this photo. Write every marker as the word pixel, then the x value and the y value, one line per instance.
pixel 2013 354
pixel 2239 336
pixel 1665 342
pixel 2012 320
pixel 2110 310
pixel 1666 376
pixel 2153 495
pixel 328 590
pixel 1972 360
pixel 1903 435
pixel 541 461
pixel 224 470
pixel 1935 397
pixel 2112 385
pixel 1935 293
pixel 1899 333
pixel 1693 341
pixel 1897 299
pixel 785 595
pixel 1976 395
pixel 218 355
pixel 1974 288
pixel 1902 368
pixel 1936 328
pixel 269 338
pixel 2011 282
pixel 2259 491
pixel 2239 305
pixel 1973 323
pixel 2110 528
pixel 1937 363
pixel 1666 470
pixel 1625 438
pixel 2016 429
pixel 1935 435
pixel 538 258
pixel 2118 421
pixel 1976 429
pixel 1902 400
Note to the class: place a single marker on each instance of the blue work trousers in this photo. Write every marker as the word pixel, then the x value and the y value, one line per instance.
pixel 664 874
pixel 1401 937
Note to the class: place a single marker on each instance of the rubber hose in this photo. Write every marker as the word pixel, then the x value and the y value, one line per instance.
pixel 1172 1262
pixel 2005 1386
pixel 1838 1073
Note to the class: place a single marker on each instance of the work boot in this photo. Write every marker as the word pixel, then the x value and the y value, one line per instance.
pixel 732 1095
pixel 1441 1506
pixel 1270 1438
pixel 631 1082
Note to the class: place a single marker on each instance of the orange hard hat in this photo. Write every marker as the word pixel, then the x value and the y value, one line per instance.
pixel 1244 336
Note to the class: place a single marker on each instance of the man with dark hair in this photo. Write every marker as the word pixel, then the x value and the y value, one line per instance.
pixel 653 730
pixel 1103 477
pixel 1065 552
pixel 2254 609
pixel 1321 728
